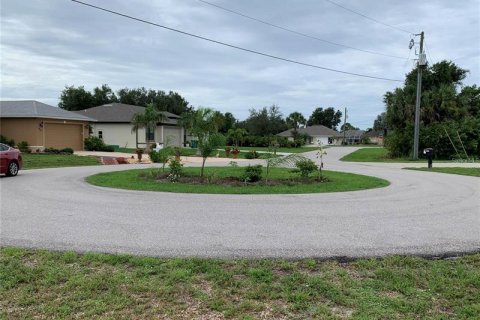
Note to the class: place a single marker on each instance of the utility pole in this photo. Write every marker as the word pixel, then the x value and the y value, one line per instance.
pixel 344 123
pixel 421 62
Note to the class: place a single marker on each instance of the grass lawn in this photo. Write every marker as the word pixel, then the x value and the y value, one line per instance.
pixel 44 285
pixel 374 155
pixel 474 172
pixel 131 179
pixel 38 161
pixel 286 150
pixel 185 152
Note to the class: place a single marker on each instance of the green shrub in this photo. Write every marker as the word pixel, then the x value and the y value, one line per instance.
pixel 252 155
pixel 23 146
pixel 252 173
pixel 108 148
pixel 175 168
pixel 7 141
pixel 162 156
pixel 67 150
pixel 93 143
pixel 306 167
pixel 51 150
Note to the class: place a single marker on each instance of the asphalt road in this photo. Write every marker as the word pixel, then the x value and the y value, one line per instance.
pixel 419 213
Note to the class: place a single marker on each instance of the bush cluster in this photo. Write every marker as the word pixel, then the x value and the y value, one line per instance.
pixel 266 141
pixel 252 173
pixel 5 140
pixel 58 151
pixel 96 144
pixel 306 167
pixel 176 168
pixel 252 155
pixel 23 147
pixel 466 132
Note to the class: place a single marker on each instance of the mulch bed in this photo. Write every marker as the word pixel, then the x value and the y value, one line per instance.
pixel 162 177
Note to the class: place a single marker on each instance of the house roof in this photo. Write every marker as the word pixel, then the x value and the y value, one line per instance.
pixel 120 112
pixel 36 109
pixel 373 134
pixel 313 131
pixel 354 133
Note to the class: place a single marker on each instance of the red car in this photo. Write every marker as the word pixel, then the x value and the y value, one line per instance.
pixel 10 160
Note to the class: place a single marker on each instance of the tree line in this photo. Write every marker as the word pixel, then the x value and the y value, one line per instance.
pixel 450 113
pixel 78 98
pixel 266 121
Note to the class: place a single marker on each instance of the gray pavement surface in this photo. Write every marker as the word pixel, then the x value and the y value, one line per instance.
pixel 421 213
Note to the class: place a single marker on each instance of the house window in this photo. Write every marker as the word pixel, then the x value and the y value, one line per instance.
pixel 100 134
pixel 150 134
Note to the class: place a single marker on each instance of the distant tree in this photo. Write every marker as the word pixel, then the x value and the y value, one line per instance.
pixel 237 135
pixel 148 120
pixel 348 126
pixel 265 121
pixel 328 118
pixel 380 122
pixel 73 99
pixel 229 122
pixel 295 119
pixel 103 95
pixel 171 102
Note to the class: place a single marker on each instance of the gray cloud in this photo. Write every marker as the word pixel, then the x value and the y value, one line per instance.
pixel 46 45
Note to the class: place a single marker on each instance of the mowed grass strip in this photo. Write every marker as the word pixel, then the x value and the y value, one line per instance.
pixel 45 285
pixel 142 179
pixel 474 172
pixel 286 150
pixel 38 161
pixel 374 155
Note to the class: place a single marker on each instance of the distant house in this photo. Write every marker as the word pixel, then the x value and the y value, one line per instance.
pixel 114 125
pixel 42 125
pixel 353 136
pixel 315 135
pixel 376 137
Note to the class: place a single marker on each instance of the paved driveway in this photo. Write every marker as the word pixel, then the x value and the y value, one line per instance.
pixel 420 213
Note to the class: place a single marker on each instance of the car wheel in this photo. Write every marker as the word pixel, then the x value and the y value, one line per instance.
pixel 12 169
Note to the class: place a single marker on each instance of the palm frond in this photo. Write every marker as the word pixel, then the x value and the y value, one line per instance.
pixel 284 161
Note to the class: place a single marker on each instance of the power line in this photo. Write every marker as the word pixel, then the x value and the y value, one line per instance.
pixel 233 46
pixel 297 32
pixel 367 17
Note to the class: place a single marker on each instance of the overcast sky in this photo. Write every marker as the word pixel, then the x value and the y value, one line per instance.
pixel 47 44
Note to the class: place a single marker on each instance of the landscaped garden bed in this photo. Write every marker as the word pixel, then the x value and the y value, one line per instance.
pixel 231 180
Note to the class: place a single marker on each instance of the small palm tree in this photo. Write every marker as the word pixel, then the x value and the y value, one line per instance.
pixel 295 119
pixel 237 135
pixel 202 124
pixel 148 120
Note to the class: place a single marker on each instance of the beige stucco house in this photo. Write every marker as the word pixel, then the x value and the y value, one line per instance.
pixel 316 135
pixel 113 123
pixel 42 125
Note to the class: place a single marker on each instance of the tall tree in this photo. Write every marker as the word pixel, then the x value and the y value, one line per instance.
pixel 73 99
pixel 328 118
pixel 295 119
pixel 265 121
pixel 348 126
pixel 380 122
pixel 228 123
pixel 171 102
pixel 103 95
pixel 446 114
